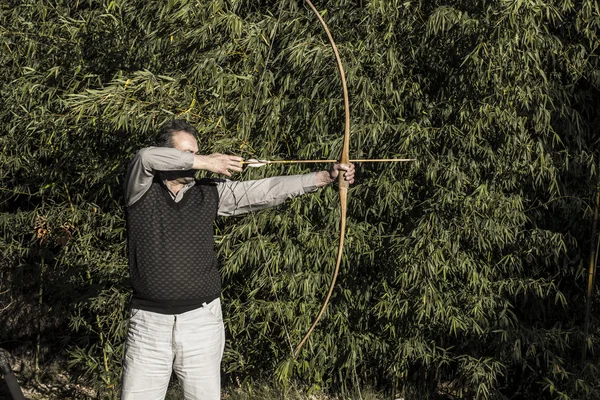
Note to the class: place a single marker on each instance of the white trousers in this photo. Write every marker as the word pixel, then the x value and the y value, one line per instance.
pixel 191 344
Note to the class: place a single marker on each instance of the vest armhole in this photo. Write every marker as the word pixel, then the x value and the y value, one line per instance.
pixel 134 205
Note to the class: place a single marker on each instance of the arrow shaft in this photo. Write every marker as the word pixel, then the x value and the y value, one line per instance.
pixel 267 162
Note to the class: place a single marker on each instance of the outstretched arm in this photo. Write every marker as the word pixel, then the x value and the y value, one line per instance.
pixel 240 197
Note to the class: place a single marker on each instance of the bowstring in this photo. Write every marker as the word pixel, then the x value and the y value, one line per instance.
pixel 266 64
pixel 247 139
pixel 278 306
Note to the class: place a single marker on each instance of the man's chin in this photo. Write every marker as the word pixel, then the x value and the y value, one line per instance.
pixel 185 179
pixel 180 179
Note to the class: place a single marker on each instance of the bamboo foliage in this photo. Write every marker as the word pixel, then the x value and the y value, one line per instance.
pixel 464 272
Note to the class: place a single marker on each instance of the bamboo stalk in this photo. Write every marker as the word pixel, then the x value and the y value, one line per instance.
pixel 38 336
pixel 595 244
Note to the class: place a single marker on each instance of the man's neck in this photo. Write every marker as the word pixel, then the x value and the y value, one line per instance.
pixel 174 186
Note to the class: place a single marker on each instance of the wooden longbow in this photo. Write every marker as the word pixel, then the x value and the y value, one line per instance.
pixel 343 184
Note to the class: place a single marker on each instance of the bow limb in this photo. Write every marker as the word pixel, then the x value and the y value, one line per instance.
pixel 343 184
pixel 343 202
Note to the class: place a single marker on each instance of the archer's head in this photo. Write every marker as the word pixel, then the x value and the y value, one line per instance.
pixel 182 136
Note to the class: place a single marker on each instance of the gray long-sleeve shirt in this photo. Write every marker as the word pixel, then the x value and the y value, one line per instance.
pixel 235 197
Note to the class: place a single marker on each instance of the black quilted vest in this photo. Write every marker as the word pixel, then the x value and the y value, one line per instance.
pixel 172 262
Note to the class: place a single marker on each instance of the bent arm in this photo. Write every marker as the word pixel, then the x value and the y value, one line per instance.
pixel 145 164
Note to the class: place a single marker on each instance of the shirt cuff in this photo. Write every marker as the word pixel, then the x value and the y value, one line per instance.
pixel 309 182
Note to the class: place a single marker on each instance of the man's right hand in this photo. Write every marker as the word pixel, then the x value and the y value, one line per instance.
pixel 218 163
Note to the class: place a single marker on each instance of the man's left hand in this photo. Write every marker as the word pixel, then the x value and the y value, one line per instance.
pixel 348 168
pixel 326 177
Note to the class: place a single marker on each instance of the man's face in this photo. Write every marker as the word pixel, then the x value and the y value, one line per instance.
pixel 182 141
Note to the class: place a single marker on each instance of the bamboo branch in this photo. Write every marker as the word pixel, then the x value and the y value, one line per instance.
pixel 595 244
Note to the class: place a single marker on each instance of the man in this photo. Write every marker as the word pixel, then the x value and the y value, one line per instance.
pixel 176 322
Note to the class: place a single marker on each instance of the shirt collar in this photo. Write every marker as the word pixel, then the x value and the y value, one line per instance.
pixel 179 194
